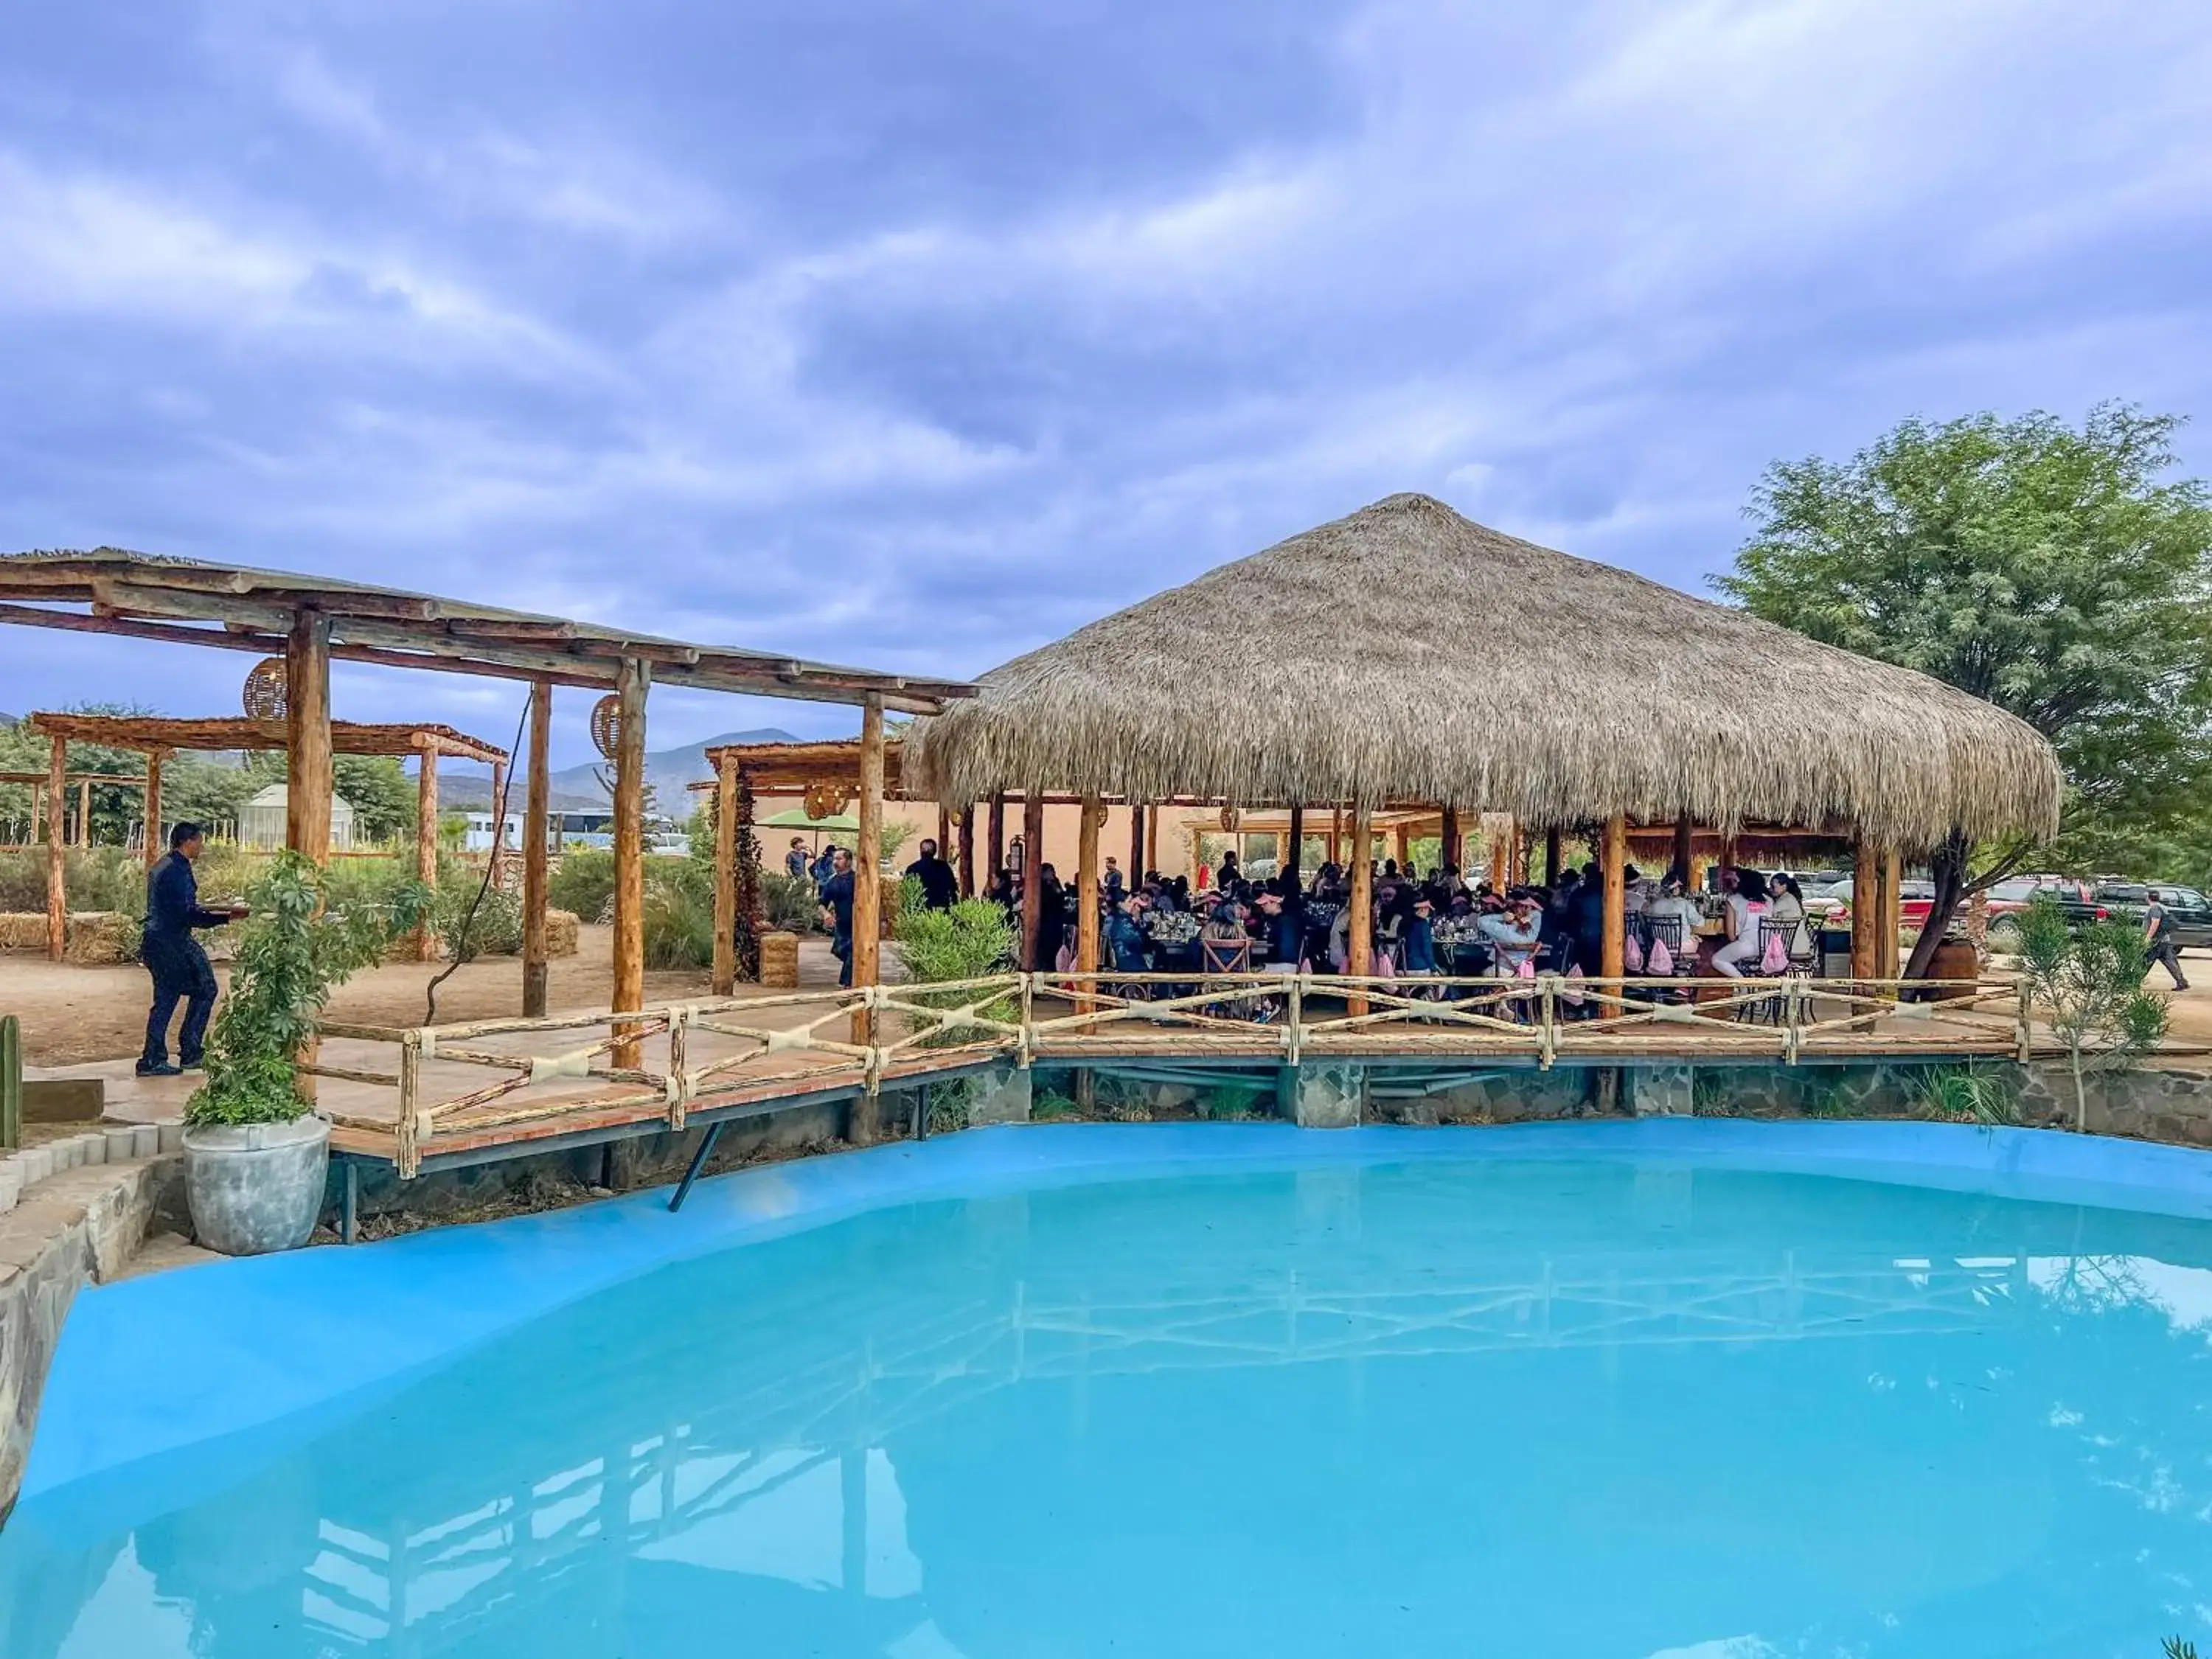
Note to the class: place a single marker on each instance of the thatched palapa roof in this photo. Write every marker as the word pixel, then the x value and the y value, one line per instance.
pixel 1406 653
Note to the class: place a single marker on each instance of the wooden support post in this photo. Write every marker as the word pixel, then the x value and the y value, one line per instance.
pixel 1151 839
pixel 84 812
pixel 308 777
pixel 1866 900
pixel 426 843
pixel 1360 930
pixel 155 844
pixel 56 852
pixel 1336 836
pixel 726 876
pixel 1552 857
pixel 1086 884
pixel 535 808
pixel 998 837
pixel 967 852
pixel 1892 918
pixel 1501 866
pixel 868 871
pixel 498 821
pixel 1133 878
pixel 631 679
pixel 1685 846
pixel 1401 845
pixel 1032 862
pixel 1613 859
pixel 1449 851
pixel 1293 860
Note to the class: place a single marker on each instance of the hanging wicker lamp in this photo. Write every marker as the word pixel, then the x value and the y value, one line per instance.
pixel 262 695
pixel 606 726
pixel 826 799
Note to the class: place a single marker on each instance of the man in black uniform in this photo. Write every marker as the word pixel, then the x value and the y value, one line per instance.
pixel 939 886
pixel 837 911
pixel 178 966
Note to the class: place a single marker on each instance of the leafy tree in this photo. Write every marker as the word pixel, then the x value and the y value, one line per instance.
pixel 2087 983
pixel 2044 569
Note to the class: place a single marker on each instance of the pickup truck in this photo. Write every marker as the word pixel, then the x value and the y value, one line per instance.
pixel 2187 911
pixel 2084 901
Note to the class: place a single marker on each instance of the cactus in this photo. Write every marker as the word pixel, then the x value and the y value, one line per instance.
pixel 11 1083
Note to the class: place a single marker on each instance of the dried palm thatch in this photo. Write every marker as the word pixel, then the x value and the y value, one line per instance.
pixel 1404 653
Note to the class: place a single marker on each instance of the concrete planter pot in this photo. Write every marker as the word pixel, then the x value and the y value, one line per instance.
pixel 256 1188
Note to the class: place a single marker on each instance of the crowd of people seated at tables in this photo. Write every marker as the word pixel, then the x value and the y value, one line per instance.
pixel 1426 925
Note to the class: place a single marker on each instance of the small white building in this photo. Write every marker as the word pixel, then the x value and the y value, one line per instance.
pixel 479 832
pixel 261 821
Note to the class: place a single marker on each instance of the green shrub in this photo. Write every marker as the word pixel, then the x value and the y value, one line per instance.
pixel 790 903
pixel 94 877
pixel 1965 1093
pixel 495 928
pixel 583 884
pixel 292 954
pixel 679 913
pixel 2087 984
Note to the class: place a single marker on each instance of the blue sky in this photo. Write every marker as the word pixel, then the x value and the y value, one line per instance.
pixel 913 335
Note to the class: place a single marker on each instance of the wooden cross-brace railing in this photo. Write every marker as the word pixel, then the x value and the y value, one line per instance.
pixel 717 1053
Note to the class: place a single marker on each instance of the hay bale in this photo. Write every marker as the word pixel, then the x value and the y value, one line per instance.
pixel 561 933
pixel 23 930
pixel 779 961
pixel 102 939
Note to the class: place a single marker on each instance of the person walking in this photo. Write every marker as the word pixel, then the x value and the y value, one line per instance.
pixel 837 911
pixel 2158 939
pixel 939 886
pixel 180 968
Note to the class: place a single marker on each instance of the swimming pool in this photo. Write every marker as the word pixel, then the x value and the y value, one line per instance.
pixel 1602 1389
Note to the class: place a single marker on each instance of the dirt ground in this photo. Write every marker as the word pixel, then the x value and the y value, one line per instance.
pixel 71 1015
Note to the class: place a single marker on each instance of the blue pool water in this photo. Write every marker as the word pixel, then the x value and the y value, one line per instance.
pixel 1409 1395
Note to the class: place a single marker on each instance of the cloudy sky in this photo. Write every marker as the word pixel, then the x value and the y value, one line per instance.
pixel 914 334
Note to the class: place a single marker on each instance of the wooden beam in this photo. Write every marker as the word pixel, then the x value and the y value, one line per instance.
pixel 56 852
pixel 308 777
pixel 426 845
pixel 1292 863
pixel 84 812
pixel 1401 845
pixel 868 897
pixel 1552 857
pixel 1032 862
pixel 1360 930
pixel 1451 848
pixel 967 852
pixel 1866 901
pixel 152 815
pixel 631 680
pixel 1887 943
pixel 1685 843
pixel 726 876
pixel 498 821
pixel 536 806
pixel 1086 884
pixel 1151 836
pixel 1501 871
pixel 998 837
pixel 1613 861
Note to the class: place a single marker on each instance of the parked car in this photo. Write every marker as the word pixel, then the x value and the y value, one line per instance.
pixel 1915 899
pixel 2009 897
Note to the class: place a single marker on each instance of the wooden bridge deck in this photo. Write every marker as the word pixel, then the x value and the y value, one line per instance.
pixel 431 1096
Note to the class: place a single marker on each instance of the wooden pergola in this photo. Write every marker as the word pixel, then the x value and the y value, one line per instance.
pixel 157 738
pixel 309 621
pixel 39 783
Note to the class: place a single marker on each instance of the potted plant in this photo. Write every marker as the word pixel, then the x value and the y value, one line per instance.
pixel 255 1155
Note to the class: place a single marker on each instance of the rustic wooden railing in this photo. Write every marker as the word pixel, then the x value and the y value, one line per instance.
pixel 715 1054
